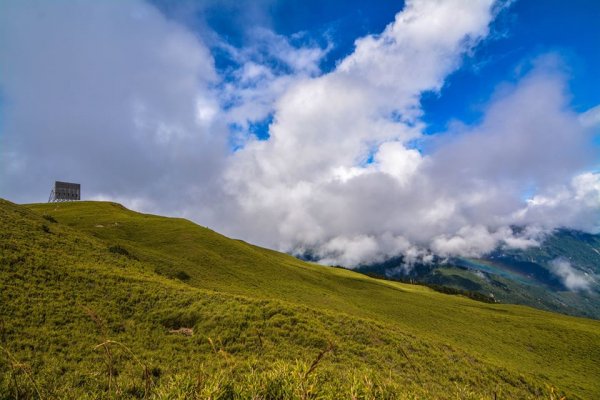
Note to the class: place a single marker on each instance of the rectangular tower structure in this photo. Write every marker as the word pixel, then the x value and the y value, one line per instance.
pixel 65 191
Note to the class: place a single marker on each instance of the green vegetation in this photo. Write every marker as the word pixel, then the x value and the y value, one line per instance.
pixel 439 288
pixel 109 303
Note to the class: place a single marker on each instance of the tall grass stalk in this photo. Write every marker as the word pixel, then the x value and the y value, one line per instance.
pixel 17 366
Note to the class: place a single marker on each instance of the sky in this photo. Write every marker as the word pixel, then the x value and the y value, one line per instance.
pixel 351 131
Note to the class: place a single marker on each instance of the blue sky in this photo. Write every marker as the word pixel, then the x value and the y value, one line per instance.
pixel 523 31
pixel 356 130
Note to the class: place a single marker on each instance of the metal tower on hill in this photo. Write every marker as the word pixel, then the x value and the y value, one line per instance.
pixel 65 191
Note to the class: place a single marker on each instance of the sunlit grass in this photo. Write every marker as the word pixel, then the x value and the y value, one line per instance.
pixel 93 306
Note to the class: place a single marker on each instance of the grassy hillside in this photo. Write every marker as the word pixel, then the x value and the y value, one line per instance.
pixel 265 325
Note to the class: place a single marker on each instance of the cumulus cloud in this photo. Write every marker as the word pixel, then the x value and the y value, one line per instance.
pixel 339 177
pixel 591 118
pixel 575 204
pixel 325 127
pixel 262 72
pixel 130 103
pixel 573 279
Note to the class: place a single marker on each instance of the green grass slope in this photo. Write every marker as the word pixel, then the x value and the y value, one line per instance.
pixel 101 272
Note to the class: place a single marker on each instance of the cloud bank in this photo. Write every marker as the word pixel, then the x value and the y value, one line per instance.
pixel 570 277
pixel 130 103
pixel 110 94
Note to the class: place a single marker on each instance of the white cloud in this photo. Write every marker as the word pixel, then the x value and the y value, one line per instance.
pixel 573 279
pixel 591 118
pixel 395 159
pixel 575 204
pixel 471 241
pixel 339 178
pixel 266 69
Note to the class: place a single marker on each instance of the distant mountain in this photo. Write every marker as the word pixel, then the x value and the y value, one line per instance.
pixel 562 274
